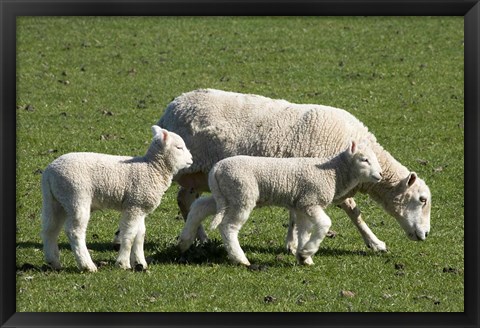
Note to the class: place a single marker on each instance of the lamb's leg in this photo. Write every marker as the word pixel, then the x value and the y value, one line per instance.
pixel 229 228
pixel 191 187
pixel 129 226
pixel 137 256
pixel 76 229
pixel 352 210
pixel 303 228
pixel 200 209
pixel 185 198
pixel 321 224
pixel 291 240
pixel 53 218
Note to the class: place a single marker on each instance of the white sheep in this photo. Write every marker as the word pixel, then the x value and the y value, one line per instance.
pixel 217 124
pixel 75 184
pixel 303 185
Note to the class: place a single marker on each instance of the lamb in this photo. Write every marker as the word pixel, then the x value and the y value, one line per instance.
pixel 303 185
pixel 217 124
pixel 75 184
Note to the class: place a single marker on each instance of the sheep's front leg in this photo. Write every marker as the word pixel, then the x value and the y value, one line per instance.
pixel 137 256
pixel 352 210
pixel 129 227
pixel 291 241
pixel 199 210
pixel 321 223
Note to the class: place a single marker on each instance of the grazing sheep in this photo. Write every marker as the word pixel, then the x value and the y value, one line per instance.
pixel 218 124
pixel 303 185
pixel 75 184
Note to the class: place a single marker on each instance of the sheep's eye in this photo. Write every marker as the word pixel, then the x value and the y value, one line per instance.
pixel 423 200
pixel 179 147
pixel 365 160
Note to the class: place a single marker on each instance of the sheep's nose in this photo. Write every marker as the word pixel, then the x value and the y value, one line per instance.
pixel 426 233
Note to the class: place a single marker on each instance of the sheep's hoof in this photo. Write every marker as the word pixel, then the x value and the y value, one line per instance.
pixel 90 268
pixel 116 247
pixel 54 265
pixel 123 265
pixel 140 267
pixel 304 260
pixel 291 249
pixel 378 247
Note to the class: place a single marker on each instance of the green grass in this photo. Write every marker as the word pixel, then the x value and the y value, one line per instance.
pixel 98 84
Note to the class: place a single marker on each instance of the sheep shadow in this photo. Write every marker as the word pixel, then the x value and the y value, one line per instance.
pixel 207 253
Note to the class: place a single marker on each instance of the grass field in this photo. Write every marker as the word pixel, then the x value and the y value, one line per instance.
pixel 98 84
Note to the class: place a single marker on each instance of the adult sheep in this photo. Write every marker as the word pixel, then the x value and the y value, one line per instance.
pixel 217 124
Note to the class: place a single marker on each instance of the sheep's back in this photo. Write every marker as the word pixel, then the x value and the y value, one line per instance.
pixel 217 124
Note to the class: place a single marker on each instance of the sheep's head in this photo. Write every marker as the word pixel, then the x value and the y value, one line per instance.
pixel 172 147
pixel 411 206
pixel 365 164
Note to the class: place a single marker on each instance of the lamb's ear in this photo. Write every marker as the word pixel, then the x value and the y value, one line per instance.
pixel 157 131
pixel 412 177
pixel 353 147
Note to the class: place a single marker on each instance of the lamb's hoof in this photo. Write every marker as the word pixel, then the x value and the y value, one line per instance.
pixel 183 245
pixel 243 262
pixel 378 247
pixel 304 260
pixel 89 268
pixel 140 267
pixel 291 250
pixel 124 266
pixel 54 265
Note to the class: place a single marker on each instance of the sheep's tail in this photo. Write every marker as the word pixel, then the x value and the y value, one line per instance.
pixel 215 189
pixel 47 198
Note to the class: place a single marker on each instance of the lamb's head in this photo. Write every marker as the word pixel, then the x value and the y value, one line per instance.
pixel 364 162
pixel 411 206
pixel 172 149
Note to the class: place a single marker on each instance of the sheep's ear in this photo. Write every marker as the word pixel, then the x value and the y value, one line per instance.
pixel 157 131
pixel 412 177
pixel 353 147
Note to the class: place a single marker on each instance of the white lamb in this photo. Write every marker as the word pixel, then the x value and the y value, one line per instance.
pixel 77 183
pixel 217 124
pixel 303 185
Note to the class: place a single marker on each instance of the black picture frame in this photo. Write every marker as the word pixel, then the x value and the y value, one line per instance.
pixel 469 9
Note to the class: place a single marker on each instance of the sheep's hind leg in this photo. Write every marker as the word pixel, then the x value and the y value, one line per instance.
pixel 321 224
pixel 229 228
pixel 129 227
pixel 76 228
pixel 185 198
pixel 200 209
pixel 352 210
pixel 53 218
pixel 137 256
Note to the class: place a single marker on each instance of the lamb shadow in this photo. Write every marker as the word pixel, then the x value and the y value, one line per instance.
pixel 96 246
pixel 210 252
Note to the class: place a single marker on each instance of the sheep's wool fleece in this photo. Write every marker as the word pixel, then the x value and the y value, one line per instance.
pixel 290 182
pixel 218 124
pixel 111 181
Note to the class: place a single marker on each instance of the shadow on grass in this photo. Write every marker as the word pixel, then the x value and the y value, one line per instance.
pixel 208 253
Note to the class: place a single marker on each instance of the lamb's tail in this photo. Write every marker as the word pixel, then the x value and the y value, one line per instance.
pixel 221 206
